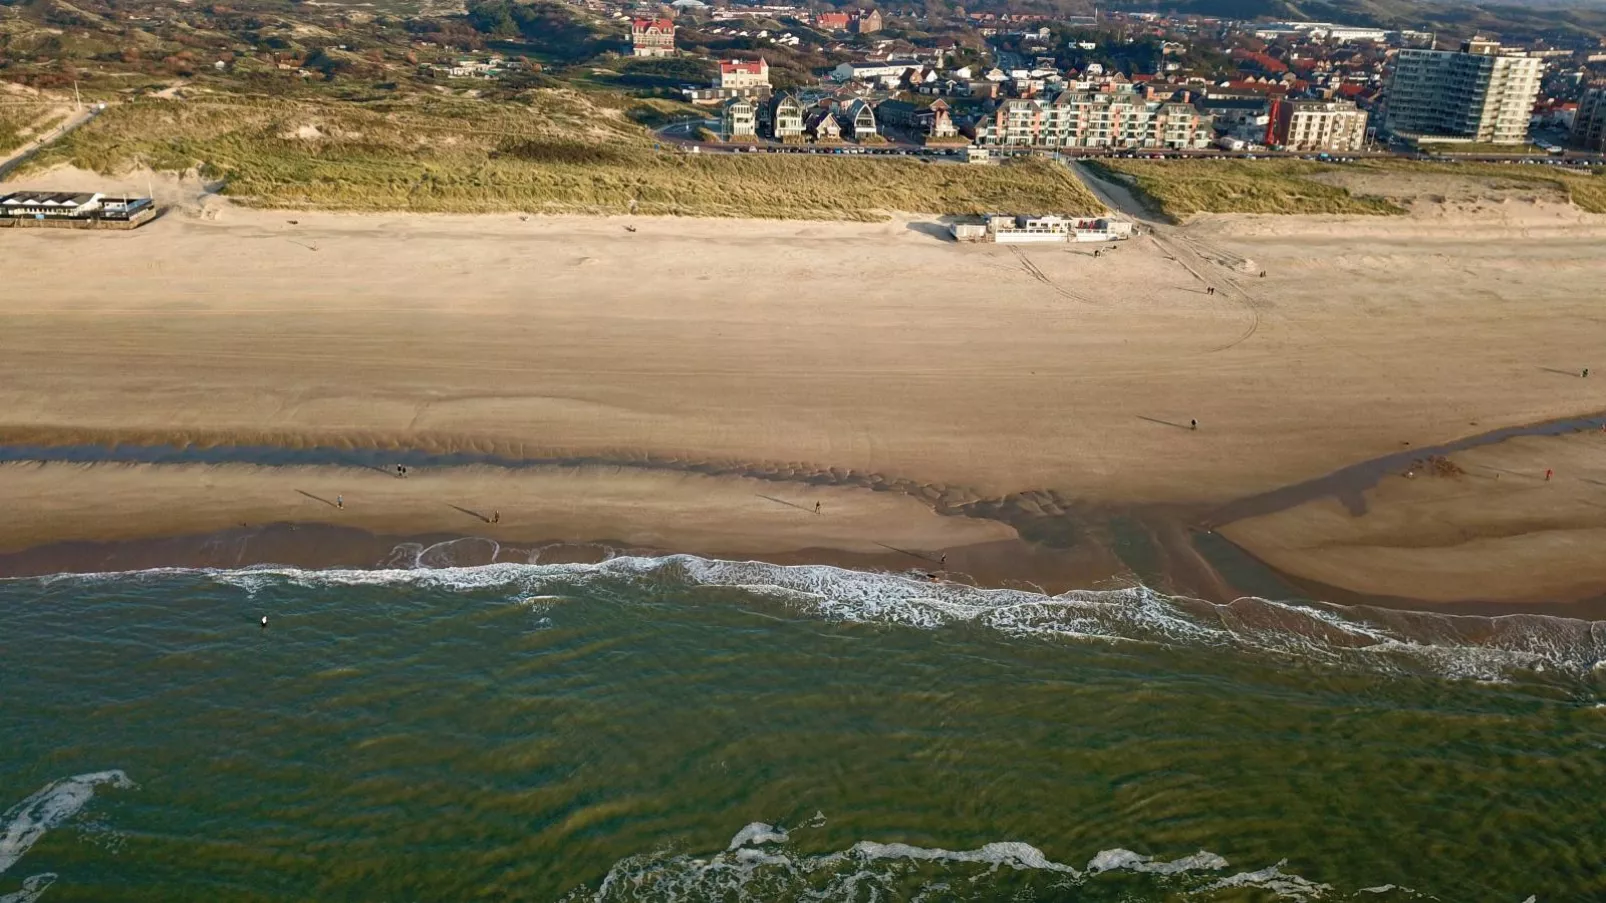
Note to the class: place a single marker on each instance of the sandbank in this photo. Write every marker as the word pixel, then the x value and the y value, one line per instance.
pixel 1490 527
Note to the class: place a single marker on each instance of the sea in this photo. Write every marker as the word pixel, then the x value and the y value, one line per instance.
pixel 684 729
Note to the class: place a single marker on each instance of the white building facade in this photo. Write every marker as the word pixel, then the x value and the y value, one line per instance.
pixel 1314 125
pixel 1479 93
pixel 1119 117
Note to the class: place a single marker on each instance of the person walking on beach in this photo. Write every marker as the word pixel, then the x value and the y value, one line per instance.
pixel 400 471
pixel 1547 474
pixel 340 501
pixel 943 561
pixel 1193 424
pixel 1586 373
pixel 496 517
pixel 816 507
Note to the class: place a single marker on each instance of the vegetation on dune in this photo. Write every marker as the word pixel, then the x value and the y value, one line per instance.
pixel 557 152
pixel 22 120
pixel 1182 188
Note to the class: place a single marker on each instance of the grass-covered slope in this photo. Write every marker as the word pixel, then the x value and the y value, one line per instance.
pixel 558 152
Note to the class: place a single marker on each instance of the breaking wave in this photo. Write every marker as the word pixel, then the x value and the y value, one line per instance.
pixel 1376 639
pixel 26 822
pixel 759 864
pixel 23 824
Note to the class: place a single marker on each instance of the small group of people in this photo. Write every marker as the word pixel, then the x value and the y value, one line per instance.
pixel 401 471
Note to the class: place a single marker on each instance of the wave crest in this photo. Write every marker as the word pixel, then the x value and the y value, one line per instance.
pixel 899 871
pixel 26 822
pixel 1375 639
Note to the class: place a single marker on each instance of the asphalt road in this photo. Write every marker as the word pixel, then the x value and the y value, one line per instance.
pixel 22 154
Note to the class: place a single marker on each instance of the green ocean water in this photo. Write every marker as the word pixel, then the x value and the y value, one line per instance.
pixel 680 729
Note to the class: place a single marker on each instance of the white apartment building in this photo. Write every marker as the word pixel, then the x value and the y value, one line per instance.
pixel 1478 93
pixel 1116 116
pixel 1336 126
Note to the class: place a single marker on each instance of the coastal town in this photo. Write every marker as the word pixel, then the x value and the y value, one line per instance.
pixel 1131 81
pixel 618 451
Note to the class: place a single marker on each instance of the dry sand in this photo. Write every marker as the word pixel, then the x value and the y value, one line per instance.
pixel 876 349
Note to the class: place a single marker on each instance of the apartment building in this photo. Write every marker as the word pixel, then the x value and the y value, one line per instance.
pixel 1480 92
pixel 1114 116
pixel 1336 126
pixel 1589 125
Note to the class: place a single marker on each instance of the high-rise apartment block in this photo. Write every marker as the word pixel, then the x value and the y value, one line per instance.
pixel 1479 93
pixel 1589 127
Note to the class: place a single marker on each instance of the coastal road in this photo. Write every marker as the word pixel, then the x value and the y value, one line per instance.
pixel 22 154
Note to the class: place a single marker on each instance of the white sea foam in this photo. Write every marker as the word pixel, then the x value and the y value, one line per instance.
pixel 1274 879
pixel 32 887
pixel 757 833
pixel 1011 853
pixel 26 822
pixel 1114 860
pixel 1469 647
pixel 892 871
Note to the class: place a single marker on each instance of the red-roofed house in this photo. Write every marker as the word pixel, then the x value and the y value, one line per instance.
pixel 652 37
pixel 744 73
pixel 833 21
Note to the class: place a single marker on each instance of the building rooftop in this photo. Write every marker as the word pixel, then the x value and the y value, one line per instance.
pixel 48 198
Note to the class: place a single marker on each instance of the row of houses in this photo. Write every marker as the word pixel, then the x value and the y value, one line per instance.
pixel 786 118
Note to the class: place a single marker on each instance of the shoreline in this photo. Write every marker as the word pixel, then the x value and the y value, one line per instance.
pixel 1045 393
pixel 1005 565
pixel 112 517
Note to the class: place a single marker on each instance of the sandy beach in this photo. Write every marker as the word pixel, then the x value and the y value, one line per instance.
pixel 879 353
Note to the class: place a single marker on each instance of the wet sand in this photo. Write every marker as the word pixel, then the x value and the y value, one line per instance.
pixel 1018 385
pixel 1482 523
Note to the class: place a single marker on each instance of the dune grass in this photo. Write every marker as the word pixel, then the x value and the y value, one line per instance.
pixel 560 152
pixel 21 120
pixel 1183 188
pixel 1585 189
